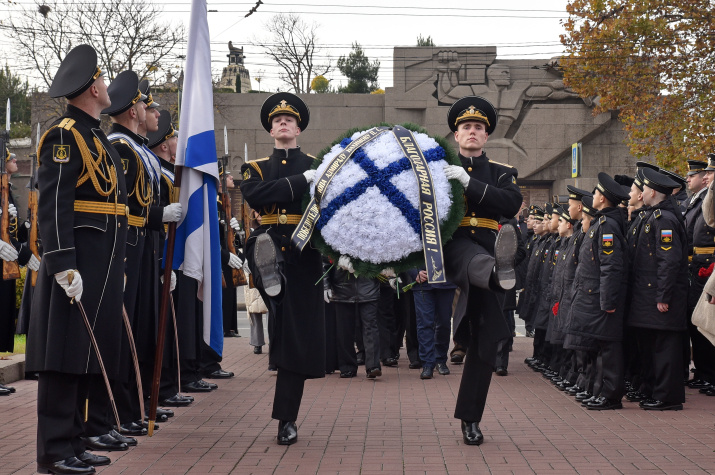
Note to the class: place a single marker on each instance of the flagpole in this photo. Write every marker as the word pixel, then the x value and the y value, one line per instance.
pixel 165 290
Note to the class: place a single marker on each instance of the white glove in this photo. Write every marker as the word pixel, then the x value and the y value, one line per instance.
pixel 246 270
pixel 456 172
pixel 12 211
pixel 394 281
pixel 234 225
pixel 327 295
pixel 172 213
pixel 310 175
pixel 234 261
pixel 344 263
pixel 7 252
pixel 34 263
pixel 28 225
pixel 172 282
pixel 74 288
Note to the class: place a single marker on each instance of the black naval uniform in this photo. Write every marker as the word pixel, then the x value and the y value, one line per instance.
pixel 599 285
pixel 275 186
pixel 7 287
pixel 491 195
pixel 660 275
pixel 703 255
pixel 83 225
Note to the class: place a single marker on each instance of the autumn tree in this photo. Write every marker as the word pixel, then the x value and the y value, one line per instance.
pixel 653 61
pixel 361 73
pixel 293 45
pixel 320 85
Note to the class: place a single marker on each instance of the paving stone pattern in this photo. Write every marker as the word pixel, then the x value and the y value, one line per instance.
pixel 396 424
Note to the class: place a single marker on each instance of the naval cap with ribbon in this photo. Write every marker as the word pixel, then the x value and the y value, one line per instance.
pixel 587 206
pixel 675 177
pixel 164 132
pixel 472 108
pixel 284 103
pixel 610 189
pixel 659 181
pixel 124 93
pixel 76 73
pixel 638 180
pixel 576 193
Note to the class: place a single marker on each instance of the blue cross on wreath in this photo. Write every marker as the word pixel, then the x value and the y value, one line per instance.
pixel 379 178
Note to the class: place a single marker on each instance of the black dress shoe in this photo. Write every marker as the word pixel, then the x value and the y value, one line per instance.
pixel 164 412
pixel 389 362
pixel 272 367
pixel 471 433
pixel 373 373
pixel 130 441
pixel 443 369
pixel 159 417
pixel 145 425
pixel 604 404
pixel 698 384
pixel 5 392
pixel 9 388
pixel 91 459
pixel 211 386
pixel 257 350
pixel 505 248
pixel 219 374
pixel 457 357
pixel 132 429
pixel 529 360
pixel 635 396
pixel 710 391
pixel 194 387
pixel 583 395
pixel 348 374
pixel 104 442
pixel 415 364
pixel 175 401
pixel 426 372
pixel 71 465
pixel 287 433
pixel 653 405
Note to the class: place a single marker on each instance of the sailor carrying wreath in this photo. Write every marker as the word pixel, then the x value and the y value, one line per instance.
pixel 381 202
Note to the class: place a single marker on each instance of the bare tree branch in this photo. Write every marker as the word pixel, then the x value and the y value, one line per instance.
pixel 292 45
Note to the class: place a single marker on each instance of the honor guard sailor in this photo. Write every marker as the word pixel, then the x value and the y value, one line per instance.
pixel 285 276
pixel 83 223
pixel 480 257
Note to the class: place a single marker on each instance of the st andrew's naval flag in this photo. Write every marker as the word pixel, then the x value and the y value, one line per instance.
pixel 197 247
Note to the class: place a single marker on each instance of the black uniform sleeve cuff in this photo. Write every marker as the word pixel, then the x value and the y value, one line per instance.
pixel 476 190
pixel 154 218
pixel 60 260
pixel 298 185
pixel 225 256
pixel 24 254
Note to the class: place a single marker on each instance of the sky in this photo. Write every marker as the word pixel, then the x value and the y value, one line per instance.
pixel 518 28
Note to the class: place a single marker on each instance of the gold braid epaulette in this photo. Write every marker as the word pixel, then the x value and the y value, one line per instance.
pixel 90 167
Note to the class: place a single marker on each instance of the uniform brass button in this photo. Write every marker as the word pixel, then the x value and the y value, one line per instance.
pixel 282 219
pixel 589 291
pixel 469 169
pixel 119 225
pixel 648 285
pixel 283 249
pixel 472 231
pixel 283 162
pixel 283 211
pixel 473 214
pixel 473 221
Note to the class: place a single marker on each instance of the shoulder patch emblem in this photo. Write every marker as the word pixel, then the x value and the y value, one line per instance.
pixel 513 179
pixel 647 228
pixel 666 235
pixel 247 173
pixel 590 234
pixel 608 240
pixel 61 153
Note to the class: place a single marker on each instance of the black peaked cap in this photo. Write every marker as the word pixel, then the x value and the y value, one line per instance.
pixel 76 73
pixel 472 108
pixel 610 189
pixel 123 92
pixel 284 103
pixel 577 193
pixel 696 166
pixel 659 181
pixel 675 177
pixel 587 205
pixel 146 90
pixel 164 132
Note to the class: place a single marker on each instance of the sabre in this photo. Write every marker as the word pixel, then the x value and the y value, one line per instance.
pixel 176 339
pixel 93 340
pixel 10 269
pixel 135 359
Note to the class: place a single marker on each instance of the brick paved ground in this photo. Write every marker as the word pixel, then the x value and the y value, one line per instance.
pixel 397 424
